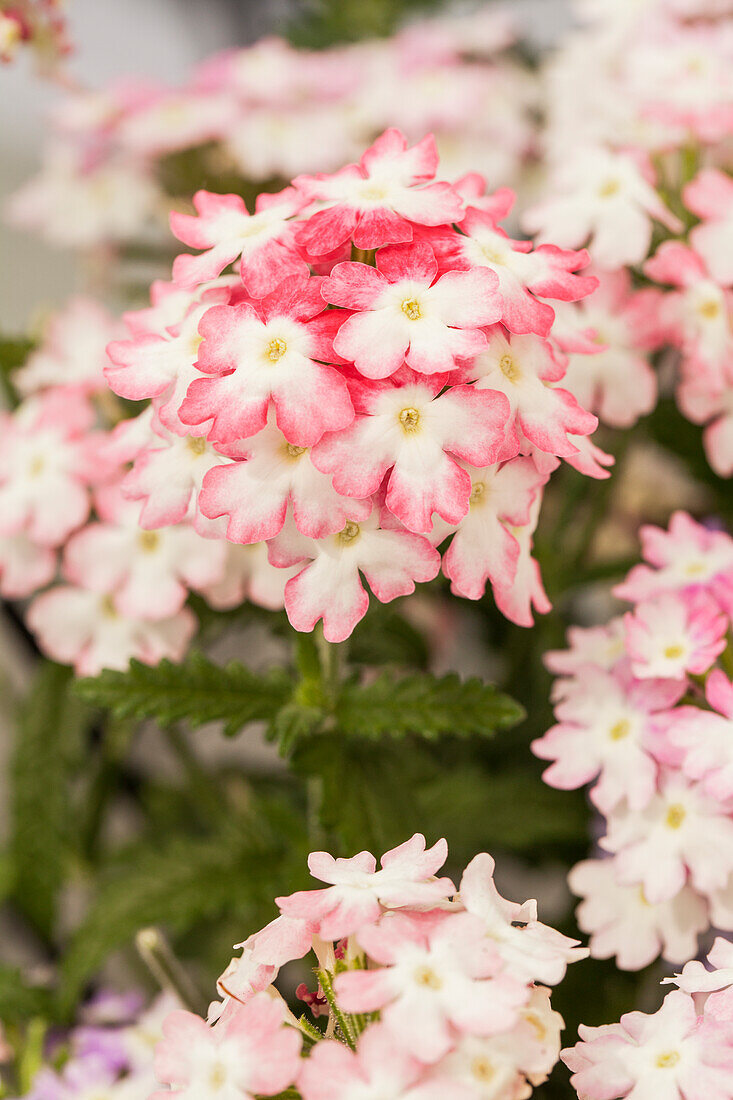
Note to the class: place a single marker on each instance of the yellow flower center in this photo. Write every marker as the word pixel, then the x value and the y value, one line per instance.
pixel 620 729
pixel 350 532
pixel 218 1076
pixel 275 349
pixel 411 309
pixel 696 569
pixel 37 466
pixel 667 1060
pixel 492 255
pixel 409 418
pixel 673 652
pixel 293 451
pixel 510 368
pixel 148 541
pixel 478 489
pixel 194 344
pixel 427 977
pixel 482 1069
pixel 196 444
pixel 536 1024
pixel 709 310
pixel 608 188
pixel 107 607
pixel 676 814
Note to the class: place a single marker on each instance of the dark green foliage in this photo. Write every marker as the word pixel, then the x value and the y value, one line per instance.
pixel 323 23
pixel 186 881
pixel 48 749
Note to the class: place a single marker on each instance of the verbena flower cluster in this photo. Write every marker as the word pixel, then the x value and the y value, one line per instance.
pixel 269 111
pixel 420 991
pixel 645 713
pixel 647 158
pixel 314 417
pixel 108 1054
pixel 684 1051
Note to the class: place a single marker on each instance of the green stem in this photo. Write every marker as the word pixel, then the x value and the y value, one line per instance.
pixel 343 1021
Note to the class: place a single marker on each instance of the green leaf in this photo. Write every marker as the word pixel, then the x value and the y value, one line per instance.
pixel 19 1002
pixel 196 691
pixel 425 706
pixel 13 354
pixel 44 763
pixel 188 882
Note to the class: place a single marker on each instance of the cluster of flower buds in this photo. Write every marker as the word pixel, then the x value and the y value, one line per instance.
pixel 645 711
pixel 657 134
pixel 269 111
pixel 685 1050
pixel 421 991
pixel 107 1054
pixel 37 23
pixel 379 374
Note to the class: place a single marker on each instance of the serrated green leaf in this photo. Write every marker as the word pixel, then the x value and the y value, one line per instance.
pixel 426 706
pixel 196 691
pixel 51 723
pixel 292 723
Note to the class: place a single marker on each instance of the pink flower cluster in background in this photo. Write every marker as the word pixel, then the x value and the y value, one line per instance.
pixel 424 991
pixel 269 111
pixel 645 713
pixel 684 1050
pixel 646 160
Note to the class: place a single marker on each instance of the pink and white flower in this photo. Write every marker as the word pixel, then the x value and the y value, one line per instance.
pixel 622 922
pixel 705 737
pixel 275 351
pixel 675 634
pixel 49 458
pixel 405 313
pixel 438 972
pixel 710 196
pixel 672 1053
pixel 256 492
pixel 378 201
pixel 330 588
pixel 81 627
pixel 483 547
pixel 409 435
pixel 523 368
pixel 247 1052
pixel 262 242
pixel 147 574
pixel 603 730
pixel 604 200
pixel 681 835
pixel 359 893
